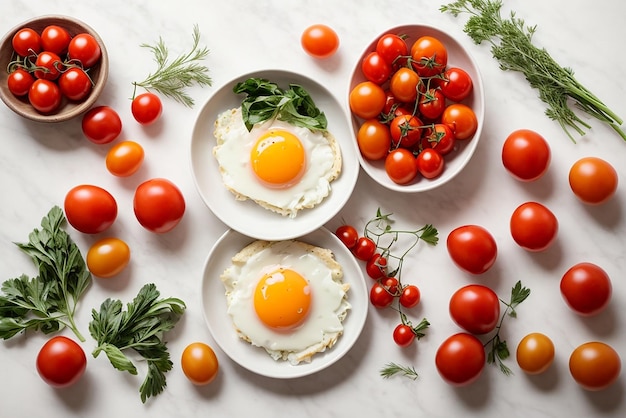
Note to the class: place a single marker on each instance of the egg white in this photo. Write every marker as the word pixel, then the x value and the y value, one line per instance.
pixel 329 304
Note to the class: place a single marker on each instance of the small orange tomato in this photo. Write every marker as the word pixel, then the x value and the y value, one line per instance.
pixel 593 180
pixel 595 365
pixel 374 139
pixel 108 257
pixel 124 159
pixel 319 41
pixel 199 363
pixel 367 100
pixel 404 84
pixel 461 119
pixel 535 353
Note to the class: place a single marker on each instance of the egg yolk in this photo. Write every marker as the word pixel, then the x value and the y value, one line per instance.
pixel 278 159
pixel 282 299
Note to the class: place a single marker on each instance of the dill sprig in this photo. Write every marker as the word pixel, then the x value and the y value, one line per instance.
pixel 512 46
pixel 392 369
pixel 172 78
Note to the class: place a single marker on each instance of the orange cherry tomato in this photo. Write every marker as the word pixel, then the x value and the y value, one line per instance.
pixel 595 365
pixel 404 84
pixel 124 159
pixel 535 353
pixel 199 363
pixel 108 257
pixel 461 119
pixel 367 100
pixel 593 180
pixel 374 139
pixel 319 41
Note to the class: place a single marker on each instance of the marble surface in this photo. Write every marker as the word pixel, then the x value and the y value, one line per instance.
pixel 40 163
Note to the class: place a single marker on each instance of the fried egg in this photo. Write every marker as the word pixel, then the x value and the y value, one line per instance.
pixel 282 167
pixel 287 297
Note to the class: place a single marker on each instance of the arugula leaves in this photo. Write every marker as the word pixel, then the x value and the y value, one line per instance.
pixel 47 302
pixel 265 101
pixel 140 328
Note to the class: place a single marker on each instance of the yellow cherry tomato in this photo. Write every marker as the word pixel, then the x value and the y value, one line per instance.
pixel 199 363
pixel 108 257
pixel 124 159
pixel 535 353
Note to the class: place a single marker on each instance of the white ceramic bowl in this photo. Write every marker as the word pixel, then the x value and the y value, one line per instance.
pixel 460 156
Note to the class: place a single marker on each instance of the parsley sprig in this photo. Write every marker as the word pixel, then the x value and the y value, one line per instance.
pixel 48 301
pixel 512 46
pixel 139 328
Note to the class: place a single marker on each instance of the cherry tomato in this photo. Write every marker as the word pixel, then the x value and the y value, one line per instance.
pixel 364 248
pixel 19 82
pixel 429 56
pixel 593 180
pixel 401 166
pixel 391 284
pixel 595 365
pixel 379 296
pixel 319 41
pixel 26 42
pixel 456 84
pixel 124 158
pixel 392 48
pixel 461 119
pixel 431 104
pixel 55 39
pixel 405 130
pixel 75 84
pixel 533 226
pixel 61 362
pixel 84 48
pixel 102 124
pixel 90 209
pixel 146 108
pixel 159 205
pixel 460 359
pixel 472 248
pixel 374 139
pixel 108 257
pixel 403 335
pixel 45 96
pixel 475 308
pixel 49 66
pixel 376 267
pixel 375 68
pixel 586 288
pixel 535 353
pixel 367 100
pixel 440 138
pixel 404 85
pixel 410 296
pixel 526 155
pixel 348 235
pixel 199 363
pixel 430 163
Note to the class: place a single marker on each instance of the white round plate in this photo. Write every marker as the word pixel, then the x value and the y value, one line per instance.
pixel 246 216
pixel 460 156
pixel 254 358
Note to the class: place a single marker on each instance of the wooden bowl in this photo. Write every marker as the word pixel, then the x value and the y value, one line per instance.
pixel 68 109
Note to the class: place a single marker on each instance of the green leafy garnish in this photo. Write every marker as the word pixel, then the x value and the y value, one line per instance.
pixel 172 78
pixel 392 369
pixel 139 328
pixel 512 46
pixel 266 100
pixel 48 301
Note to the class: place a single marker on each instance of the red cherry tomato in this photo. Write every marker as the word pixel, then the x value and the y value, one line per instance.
pixel 49 66
pixel 456 84
pixel 533 226
pixel 75 84
pixel 319 41
pixel 61 362
pixel 586 288
pixel 348 235
pixel 45 96
pixel 393 49
pixel 159 205
pixel 526 155
pixel 472 248
pixel 593 180
pixel 391 284
pixel 431 104
pixel 90 209
pixel 379 296
pixel 475 308
pixel 26 41
pixel 101 125
pixel 364 248
pixel 146 108
pixel 19 82
pixel 85 48
pixel 55 39
pixel 403 335
pixel 376 267
pixel 410 296
pixel 430 163
pixel 375 68
pixel 405 130
pixel 460 359
pixel 440 138
pixel 401 166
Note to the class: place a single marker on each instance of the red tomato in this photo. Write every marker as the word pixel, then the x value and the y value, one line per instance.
pixel 535 353
pixel 403 335
pixel 373 139
pixel 44 96
pixel 410 296
pixel 75 84
pixel 61 362
pixel 391 284
pixel 401 166
pixel 586 288
pixel 430 163
pixel 593 180
pixel 367 100
pixel 364 248
pixel 461 119
pixel 101 125
pixel 533 226
pixel 441 138
pixel 319 41
pixel 404 85
pixel 90 209
pixel 429 56
pixel 526 155
pixel 456 84
pixel 475 308
pixel 472 248
pixel 19 82
pixel 376 267
pixel 159 205
pixel 84 48
pixel 146 108
pixel 460 359
pixel 124 158
pixel 348 235
pixel 107 257
pixel 431 104
pixel 49 66
pixel 375 68
pixel 379 296
pixel 199 363
pixel 405 130
pixel 595 365
pixel 392 48
pixel 55 39
pixel 26 42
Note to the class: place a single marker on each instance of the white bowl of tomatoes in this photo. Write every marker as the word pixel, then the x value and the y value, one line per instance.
pixel 52 68
pixel 417 104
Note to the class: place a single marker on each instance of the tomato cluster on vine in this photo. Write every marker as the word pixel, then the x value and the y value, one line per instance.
pixel 52 65
pixel 410 106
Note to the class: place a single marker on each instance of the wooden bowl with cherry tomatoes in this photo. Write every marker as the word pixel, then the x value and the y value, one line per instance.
pixel 417 107
pixel 52 68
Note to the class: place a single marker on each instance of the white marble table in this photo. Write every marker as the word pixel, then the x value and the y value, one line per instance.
pixel 39 163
